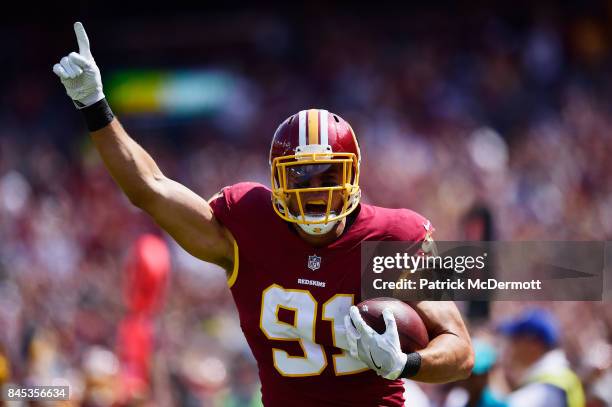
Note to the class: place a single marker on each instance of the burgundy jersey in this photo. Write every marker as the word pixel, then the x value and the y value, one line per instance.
pixel 292 299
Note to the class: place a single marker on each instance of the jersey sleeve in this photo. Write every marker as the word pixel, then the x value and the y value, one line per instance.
pixel 239 207
pixel 236 206
pixel 220 204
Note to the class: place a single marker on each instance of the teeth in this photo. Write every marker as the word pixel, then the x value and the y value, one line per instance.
pixel 318 202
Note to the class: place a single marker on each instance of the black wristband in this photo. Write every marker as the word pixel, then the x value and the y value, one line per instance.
pixel 412 366
pixel 97 115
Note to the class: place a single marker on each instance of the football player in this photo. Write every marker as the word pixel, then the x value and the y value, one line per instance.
pixel 293 301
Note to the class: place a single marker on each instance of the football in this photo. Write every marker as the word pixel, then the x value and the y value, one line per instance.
pixel 412 331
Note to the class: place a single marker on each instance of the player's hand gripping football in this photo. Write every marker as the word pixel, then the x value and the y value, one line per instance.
pixel 79 73
pixel 381 352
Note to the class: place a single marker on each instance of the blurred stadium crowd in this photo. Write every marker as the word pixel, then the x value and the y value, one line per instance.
pixel 454 107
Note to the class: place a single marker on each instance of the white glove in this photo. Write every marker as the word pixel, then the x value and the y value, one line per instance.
pixel 79 73
pixel 381 353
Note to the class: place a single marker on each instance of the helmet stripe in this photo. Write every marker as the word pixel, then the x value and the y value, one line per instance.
pixel 324 128
pixel 313 126
pixel 302 116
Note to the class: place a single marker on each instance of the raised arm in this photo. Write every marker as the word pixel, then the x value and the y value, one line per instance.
pixel 183 214
pixel 186 216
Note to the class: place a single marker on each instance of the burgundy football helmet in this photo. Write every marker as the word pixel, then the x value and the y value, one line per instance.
pixel 314 152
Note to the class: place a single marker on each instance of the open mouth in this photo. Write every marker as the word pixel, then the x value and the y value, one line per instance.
pixel 315 207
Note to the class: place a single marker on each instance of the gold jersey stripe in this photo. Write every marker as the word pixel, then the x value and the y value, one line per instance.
pixel 232 278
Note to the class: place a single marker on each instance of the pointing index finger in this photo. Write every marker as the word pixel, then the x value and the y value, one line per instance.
pixel 82 39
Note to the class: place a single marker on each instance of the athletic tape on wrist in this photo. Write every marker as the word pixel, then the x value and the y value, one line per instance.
pixel 98 115
pixel 412 366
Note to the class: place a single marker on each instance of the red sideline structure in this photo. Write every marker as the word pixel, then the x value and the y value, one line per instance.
pixel 147 270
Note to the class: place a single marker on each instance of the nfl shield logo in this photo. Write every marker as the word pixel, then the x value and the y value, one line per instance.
pixel 314 262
